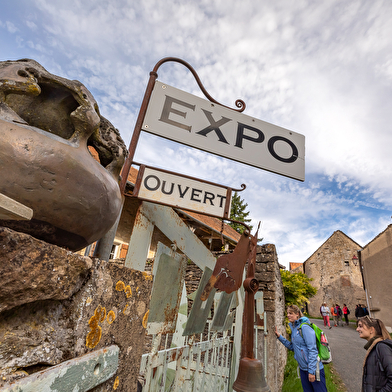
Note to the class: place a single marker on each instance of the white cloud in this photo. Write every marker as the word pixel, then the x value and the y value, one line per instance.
pixel 11 27
pixel 322 69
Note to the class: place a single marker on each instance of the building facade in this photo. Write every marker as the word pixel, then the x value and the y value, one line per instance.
pixel 336 274
pixel 376 262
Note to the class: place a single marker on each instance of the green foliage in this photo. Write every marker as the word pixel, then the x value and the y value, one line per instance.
pixel 292 383
pixel 297 288
pixel 238 212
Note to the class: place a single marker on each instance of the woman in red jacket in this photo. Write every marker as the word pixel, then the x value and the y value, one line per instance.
pixel 346 312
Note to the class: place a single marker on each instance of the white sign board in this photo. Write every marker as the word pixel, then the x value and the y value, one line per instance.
pixel 196 122
pixel 183 192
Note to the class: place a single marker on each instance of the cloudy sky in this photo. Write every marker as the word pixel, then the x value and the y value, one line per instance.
pixel 322 69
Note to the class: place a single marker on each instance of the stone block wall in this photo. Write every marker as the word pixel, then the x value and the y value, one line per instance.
pixel 56 305
pixel 270 351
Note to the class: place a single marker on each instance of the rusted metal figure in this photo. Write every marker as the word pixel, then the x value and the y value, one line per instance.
pixel 229 268
pixel 250 376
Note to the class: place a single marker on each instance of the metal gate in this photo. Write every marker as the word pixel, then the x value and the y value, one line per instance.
pixel 198 355
pixel 202 366
pixel 195 352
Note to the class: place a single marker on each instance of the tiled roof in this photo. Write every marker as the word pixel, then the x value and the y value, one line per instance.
pixel 215 224
pixel 295 265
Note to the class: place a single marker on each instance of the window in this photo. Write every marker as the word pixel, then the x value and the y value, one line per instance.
pixel 346 263
pixel 113 253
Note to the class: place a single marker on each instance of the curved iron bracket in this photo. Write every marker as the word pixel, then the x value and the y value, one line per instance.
pixel 239 103
pixel 243 187
pixel 142 112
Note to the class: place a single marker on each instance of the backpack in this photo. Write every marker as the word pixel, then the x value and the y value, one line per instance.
pixel 324 351
pixel 340 313
pixel 348 311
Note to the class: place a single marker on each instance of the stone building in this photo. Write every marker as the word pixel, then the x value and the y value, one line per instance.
pixel 336 274
pixel 376 262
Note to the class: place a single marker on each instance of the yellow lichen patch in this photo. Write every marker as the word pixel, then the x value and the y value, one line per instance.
pixel 128 291
pixel 116 383
pixel 126 306
pixel 111 317
pixel 93 337
pixel 100 312
pixel 146 275
pixel 120 286
pixel 145 319
pixel 89 300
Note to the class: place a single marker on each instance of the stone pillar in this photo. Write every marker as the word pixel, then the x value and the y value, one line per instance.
pixel 269 350
pixel 56 305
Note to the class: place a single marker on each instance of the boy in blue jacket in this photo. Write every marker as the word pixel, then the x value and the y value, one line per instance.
pixel 305 351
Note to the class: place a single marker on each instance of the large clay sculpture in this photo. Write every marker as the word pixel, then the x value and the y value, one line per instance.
pixel 47 124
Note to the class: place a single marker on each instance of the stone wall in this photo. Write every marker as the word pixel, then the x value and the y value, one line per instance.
pixel 56 305
pixel 335 275
pixel 268 275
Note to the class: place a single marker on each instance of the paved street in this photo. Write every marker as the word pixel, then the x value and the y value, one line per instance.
pixel 347 353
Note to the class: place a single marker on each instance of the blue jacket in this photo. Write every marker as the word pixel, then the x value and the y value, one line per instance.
pixel 305 349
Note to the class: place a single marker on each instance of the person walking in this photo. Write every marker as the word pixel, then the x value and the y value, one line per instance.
pixel 359 312
pixel 325 313
pixel 346 312
pixel 365 310
pixel 377 366
pixel 305 351
pixel 339 314
pixel 334 315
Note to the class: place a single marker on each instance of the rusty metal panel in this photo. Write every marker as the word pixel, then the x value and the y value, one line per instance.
pixel 199 313
pixel 222 311
pixel 169 276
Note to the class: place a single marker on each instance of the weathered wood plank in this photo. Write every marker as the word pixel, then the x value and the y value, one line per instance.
pixel 139 243
pixel 11 209
pixel 78 374
pixel 177 231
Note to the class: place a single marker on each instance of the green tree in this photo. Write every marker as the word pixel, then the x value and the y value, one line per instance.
pixel 238 212
pixel 297 288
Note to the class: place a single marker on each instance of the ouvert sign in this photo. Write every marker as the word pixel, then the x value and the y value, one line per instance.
pixel 185 118
pixel 164 187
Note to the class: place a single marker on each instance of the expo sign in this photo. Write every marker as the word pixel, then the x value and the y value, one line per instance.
pixel 196 122
pixel 168 188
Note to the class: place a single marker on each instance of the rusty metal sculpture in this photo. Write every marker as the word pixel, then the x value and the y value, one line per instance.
pixel 250 377
pixel 46 125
